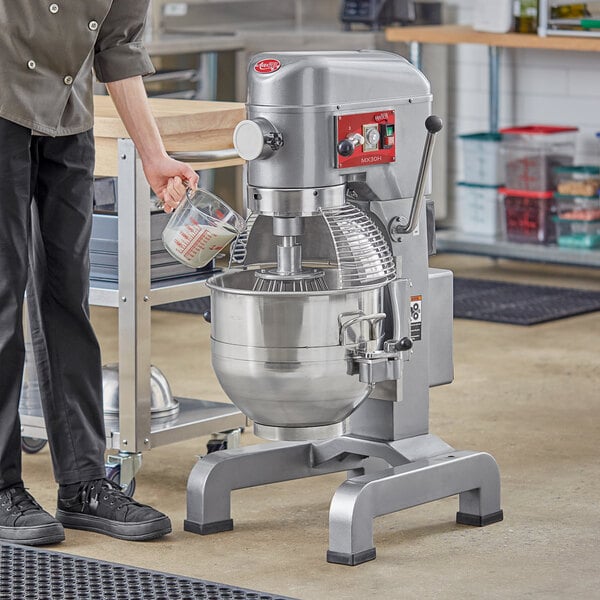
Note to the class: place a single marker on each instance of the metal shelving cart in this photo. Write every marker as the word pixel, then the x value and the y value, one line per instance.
pixel 193 130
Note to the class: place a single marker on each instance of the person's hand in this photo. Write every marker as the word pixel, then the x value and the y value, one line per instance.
pixel 170 179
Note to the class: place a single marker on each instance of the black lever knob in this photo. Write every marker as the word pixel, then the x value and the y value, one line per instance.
pixel 207 315
pixel 345 148
pixel 404 344
pixel 433 124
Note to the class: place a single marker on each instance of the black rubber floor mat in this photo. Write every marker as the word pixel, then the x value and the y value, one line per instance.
pixel 195 306
pixel 32 574
pixel 519 304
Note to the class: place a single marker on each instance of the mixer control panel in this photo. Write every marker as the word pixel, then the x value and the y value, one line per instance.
pixel 365 139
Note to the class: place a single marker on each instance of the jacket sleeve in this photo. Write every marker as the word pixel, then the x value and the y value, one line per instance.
pixel 118 52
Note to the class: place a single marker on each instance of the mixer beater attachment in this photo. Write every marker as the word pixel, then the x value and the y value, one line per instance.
pixel 289 276
pixel 307 280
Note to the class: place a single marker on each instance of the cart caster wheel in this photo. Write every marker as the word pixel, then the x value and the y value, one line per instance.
pixel 215 446
pixel 32 445
pixel 113 472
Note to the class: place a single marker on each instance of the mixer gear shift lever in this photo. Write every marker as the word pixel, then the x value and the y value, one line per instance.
pixel 433 125
pixel 346 147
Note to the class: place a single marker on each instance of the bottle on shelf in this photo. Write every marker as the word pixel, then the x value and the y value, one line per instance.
pixel 526 16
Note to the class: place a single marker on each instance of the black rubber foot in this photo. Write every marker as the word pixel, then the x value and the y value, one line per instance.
pixel 478 520
pixel 208 528
pixel 351 560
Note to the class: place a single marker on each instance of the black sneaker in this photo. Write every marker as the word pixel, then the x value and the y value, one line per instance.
pixel 24 521
pixel 102 507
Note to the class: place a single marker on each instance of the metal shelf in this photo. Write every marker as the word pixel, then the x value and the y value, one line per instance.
pixel 107 294
pixel 134 431
pixel 462 243
pixel 195 418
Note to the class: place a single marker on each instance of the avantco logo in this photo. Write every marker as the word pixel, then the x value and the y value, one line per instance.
pixel 269 65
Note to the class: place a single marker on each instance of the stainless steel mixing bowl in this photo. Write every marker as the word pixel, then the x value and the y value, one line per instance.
pixel 284 358
pixel 162 402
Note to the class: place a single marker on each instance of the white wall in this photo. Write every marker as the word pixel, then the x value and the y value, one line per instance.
pixel 537 86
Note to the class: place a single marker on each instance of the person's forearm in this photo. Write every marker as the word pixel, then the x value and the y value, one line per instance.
pixel 129 96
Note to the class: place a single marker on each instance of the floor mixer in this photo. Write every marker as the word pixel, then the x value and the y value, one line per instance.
pixel 329 328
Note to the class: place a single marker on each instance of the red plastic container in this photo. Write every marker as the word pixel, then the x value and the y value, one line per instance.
pixel 531 154
pixel 537 130
pixel 527 216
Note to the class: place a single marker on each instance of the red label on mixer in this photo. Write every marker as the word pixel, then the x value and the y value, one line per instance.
pixel 269 65
pixel 365 139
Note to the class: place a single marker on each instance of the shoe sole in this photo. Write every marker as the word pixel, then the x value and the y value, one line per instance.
pixel 37 535
pixel 132 532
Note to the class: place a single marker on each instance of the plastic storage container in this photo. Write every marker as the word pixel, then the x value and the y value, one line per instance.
pixel 477 209
pixel 578 233
pixel 578 206
pixel 577 199
pixel 482 161
pixel 527 216
pixel 531 154
pixel 581 181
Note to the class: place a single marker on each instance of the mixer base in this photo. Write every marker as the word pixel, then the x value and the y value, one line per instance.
pixel 383 477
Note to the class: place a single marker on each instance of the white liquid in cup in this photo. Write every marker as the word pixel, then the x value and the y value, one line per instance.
pixel 196 245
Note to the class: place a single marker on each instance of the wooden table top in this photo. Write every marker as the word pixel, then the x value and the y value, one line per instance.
pixel 185 125
pixel 173 117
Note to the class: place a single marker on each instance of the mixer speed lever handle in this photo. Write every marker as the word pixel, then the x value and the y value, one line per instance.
pixel 433 125
pixel 347 146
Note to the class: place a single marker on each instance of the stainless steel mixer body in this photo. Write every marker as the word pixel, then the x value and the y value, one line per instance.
pixel 296 178
pixel 335 187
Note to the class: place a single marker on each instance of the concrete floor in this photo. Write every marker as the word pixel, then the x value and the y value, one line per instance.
pixel 528 395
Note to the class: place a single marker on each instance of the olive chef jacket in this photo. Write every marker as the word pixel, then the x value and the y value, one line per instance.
pixel 48 49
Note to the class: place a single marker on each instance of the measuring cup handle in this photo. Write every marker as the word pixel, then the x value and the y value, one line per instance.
pixel 189 192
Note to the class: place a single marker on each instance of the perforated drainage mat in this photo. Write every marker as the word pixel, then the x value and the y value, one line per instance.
pixel 31 574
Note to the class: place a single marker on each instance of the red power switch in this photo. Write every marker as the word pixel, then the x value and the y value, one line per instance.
pixel 388 135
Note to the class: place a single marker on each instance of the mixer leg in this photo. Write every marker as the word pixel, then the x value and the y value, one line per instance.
pixel 473 475
pixel 214 477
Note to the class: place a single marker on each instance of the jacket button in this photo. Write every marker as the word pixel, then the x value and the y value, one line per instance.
pixel 93 25
pixel 68 80
pixel 31 64
pixel 53 8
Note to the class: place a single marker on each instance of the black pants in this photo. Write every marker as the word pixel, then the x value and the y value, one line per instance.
pixel 55 177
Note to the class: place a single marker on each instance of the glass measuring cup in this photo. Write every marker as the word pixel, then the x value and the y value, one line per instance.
pixel 201 226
